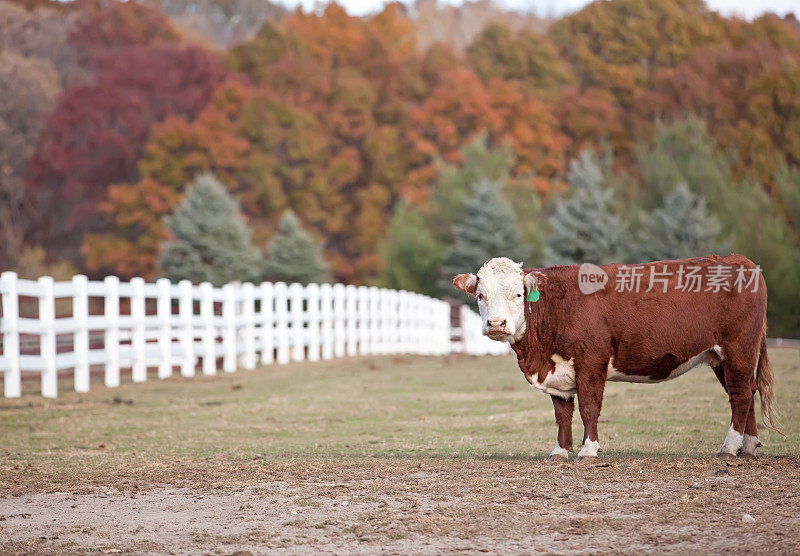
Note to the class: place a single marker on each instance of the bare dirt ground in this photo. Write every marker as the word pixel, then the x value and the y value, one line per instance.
pixel 389 506
pixel 389 456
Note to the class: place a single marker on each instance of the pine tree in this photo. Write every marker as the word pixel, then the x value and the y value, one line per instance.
pixel 293 255
pixel 487 229
pixel 681 228
pixel 212 241
pixel 585 226
pixel 411 254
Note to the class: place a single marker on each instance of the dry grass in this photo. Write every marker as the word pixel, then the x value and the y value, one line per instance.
pixel 432 454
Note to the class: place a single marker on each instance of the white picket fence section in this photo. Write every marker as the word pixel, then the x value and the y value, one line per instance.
pixel 165 326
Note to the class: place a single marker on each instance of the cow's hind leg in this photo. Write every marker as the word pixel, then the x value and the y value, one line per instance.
pixel 590 383
pixel 750 441
pixel 564 409
pixel 738 373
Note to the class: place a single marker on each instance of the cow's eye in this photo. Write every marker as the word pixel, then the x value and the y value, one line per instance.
pixel 519 295
pixel 480 297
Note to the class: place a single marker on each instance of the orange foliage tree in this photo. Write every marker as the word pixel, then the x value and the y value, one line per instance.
pixel 343 116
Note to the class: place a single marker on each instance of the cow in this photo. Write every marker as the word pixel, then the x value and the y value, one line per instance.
pixel 575 327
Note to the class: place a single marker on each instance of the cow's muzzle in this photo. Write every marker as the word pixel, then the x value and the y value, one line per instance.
pixel 496 328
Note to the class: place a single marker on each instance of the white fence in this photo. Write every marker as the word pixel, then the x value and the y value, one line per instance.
pixel 136 325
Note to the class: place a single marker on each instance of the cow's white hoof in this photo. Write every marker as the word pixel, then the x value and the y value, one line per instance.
pixel 585 459
pixel 559 454
pixel 747 455
pixel 722 454
pixel 589 449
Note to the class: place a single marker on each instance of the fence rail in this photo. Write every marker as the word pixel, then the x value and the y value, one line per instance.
pixel 119 325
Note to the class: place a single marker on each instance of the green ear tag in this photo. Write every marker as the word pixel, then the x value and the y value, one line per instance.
pixel 533 295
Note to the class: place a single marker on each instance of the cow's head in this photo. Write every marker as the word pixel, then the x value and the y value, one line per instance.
pixel 501 288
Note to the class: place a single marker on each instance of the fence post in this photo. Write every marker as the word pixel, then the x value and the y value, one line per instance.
pixel 80 337
pixel 209 331
pixel 363 321
pixel 446 333
pixel 111 342
pixel 394 325
pixel 402 345
pixel 249 327
pixel 186 313
pixel 351 329
pixel 314 329
pixel 389 309
pixel 164 312
pixel 282 322
pixel 375 321
pixel 267 319
pixel 229 333
pixel 326 324
pixel 139 369
pixel 296 311
pixel 47 340
pixel 12 386
pixel 339 319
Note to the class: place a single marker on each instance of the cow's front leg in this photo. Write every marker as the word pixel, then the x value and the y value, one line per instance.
pixel 564 409
pixel 590 383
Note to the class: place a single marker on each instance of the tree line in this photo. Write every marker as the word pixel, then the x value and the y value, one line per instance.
pixel 626 131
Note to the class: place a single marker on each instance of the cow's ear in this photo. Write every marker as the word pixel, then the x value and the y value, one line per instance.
pixel 534 281
pixel 467 283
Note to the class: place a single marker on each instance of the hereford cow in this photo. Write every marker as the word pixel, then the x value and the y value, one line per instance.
pixel 573 328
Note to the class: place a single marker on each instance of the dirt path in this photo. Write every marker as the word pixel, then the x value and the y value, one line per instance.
pixel 420 506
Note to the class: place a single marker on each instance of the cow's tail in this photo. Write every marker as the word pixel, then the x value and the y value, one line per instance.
pixel 765 385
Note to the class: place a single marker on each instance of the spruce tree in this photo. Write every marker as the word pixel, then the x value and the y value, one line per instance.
pixel 487 229
pixel 293 255
pixel 585 226
pixel 681 228
pixel 211 240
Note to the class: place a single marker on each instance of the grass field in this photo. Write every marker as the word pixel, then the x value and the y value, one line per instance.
pixel 390 454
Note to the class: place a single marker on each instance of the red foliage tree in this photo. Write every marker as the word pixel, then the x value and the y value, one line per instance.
pixel 95 135
pixel 113 24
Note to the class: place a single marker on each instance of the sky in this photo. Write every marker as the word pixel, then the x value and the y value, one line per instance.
pixel 555 8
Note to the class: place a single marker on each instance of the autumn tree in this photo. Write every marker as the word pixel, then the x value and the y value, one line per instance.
pixel 525 56
pixel 461 107
pixel 42 32
pixel 133 213
pixel 617 46
pixel 111 24
pixel 95 136
pixel 28 87
pixel 210 240
pixel 747 96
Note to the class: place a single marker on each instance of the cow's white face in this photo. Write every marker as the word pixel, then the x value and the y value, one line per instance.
pixel 500 287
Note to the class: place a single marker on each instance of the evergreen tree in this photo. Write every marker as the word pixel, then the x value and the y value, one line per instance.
pixel 411 254
pixel 293 255
pixel 212 241
pixel 481 164
pixel 487 229
pixel 682 152
pixel 585 226
pixel 681 228
pixel 456 182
